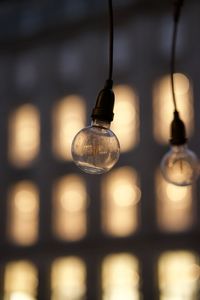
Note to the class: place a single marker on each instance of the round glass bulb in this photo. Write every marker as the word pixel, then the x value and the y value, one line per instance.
pixel 95 149
pixel 180 166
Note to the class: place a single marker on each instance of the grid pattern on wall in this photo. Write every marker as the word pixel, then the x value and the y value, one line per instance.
pixel 66 235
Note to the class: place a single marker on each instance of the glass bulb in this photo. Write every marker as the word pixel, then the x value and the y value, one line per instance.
pixel 95 149
pixel 180 166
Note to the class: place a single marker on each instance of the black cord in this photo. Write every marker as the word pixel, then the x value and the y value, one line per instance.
pixel 172 64
pixel 177 10
pixel 111 38
pixel 104 106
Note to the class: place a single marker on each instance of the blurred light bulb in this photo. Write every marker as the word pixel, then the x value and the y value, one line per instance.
pixel 180 165
pixel 95 149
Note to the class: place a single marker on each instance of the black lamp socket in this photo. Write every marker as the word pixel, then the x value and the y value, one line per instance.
pixel 178 133
pixel 104 106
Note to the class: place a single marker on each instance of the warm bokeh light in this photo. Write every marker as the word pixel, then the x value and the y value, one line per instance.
pixel 163 106
pixel 178 276
pixel 23 210
pixel 175 208
pixel 20 281
pixel 70 208
pixel 126 119
pixel 68 119
pixel 68 279
pixel 120 197
pixel 24 135
pixel 120 277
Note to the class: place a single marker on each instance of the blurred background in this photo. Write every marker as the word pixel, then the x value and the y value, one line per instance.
pixel 66 235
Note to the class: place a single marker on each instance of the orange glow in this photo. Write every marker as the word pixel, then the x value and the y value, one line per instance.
pixel 23 212
pixel 24 135
pixel 68 278
pixel 120 196
pixel 174 205
pixel 126 120
pixel 68 119
pixel 70 205
pixel 163 106
pixel 20 281
pixel 120 277
pixel 179 274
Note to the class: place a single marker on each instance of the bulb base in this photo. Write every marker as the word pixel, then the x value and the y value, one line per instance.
pixel 178 134
pixel 104 106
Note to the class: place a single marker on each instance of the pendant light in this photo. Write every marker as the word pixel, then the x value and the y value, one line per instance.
pixel 180 165
pixel 96 149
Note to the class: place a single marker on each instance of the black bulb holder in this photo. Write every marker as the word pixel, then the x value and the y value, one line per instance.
pixel 178 133
pixel 104 106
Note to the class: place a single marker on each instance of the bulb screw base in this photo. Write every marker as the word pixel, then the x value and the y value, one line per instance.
pixel 104 106
pixel 178 134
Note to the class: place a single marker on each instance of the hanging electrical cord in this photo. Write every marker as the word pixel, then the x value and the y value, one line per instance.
pixel 111 39
pixel 177 11
pixel 178 134
pixel 95 149
pixel 180 165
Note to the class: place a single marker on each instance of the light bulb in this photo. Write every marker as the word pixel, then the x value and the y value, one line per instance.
pixel 95 149
pixel 180 165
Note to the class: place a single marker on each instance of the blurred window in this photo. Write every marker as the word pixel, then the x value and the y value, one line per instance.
pixel 24 135
pixel 178 276
pixel 68 119
pixel 23 210
pixel 68 279
pixel 120 198
pixel 120 277
pixel 70 208
pixel 20 282
pixel 175 205
pixel 126 119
